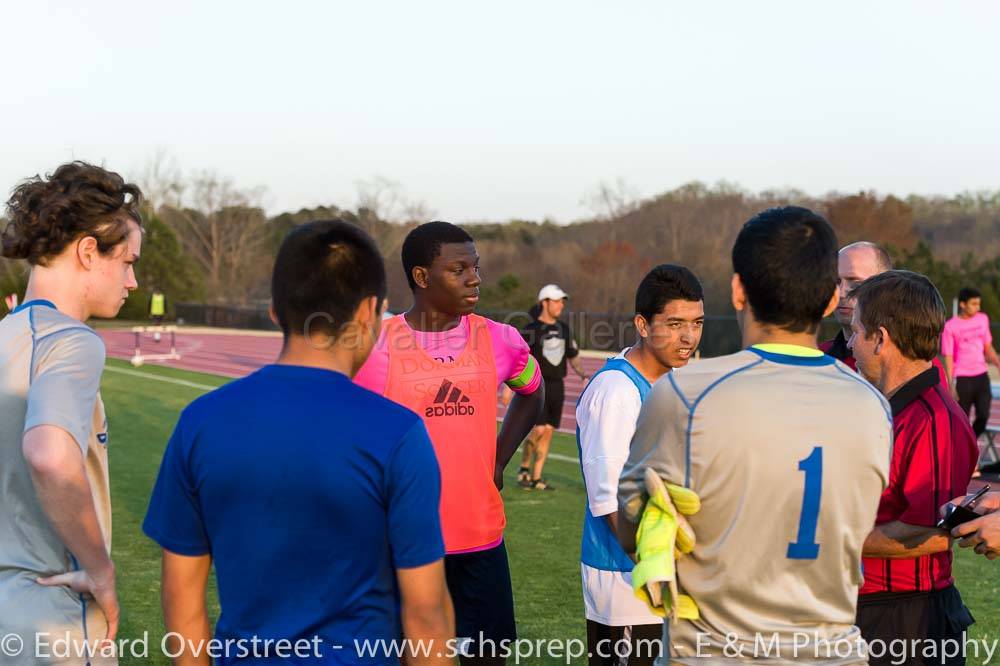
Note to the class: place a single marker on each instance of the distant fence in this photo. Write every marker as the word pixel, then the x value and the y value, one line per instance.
pixel 599 331
pixel 602 331
pixel 593 330
pixel 254 317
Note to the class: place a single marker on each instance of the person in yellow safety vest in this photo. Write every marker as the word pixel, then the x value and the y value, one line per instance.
pixel 157 310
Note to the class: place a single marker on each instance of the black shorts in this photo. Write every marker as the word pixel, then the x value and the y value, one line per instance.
pixel 912 616
pixel 638 645
pixel 555 394
pixel 975 392
pixel 480 589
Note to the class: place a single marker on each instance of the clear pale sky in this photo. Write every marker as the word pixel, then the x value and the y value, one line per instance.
pixel 515 109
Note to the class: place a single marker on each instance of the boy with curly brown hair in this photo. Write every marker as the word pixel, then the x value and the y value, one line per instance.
pixel 80 230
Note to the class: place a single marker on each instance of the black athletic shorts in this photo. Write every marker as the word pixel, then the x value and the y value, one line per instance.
pixel 480 589
pixel 975 392
pixel 555 394
pixel 637 645
pixel 885 617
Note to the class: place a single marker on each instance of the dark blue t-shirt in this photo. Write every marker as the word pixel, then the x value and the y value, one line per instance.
pixel 308 491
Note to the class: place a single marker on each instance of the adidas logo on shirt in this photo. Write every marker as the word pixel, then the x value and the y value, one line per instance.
pixel 450 401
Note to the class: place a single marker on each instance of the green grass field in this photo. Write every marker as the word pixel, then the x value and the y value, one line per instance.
pixel 543 532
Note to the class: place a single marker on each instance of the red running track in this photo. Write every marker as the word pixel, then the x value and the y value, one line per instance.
pixel 239 354
pixel 227 354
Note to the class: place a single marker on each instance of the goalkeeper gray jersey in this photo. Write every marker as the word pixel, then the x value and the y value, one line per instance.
pixel 789 452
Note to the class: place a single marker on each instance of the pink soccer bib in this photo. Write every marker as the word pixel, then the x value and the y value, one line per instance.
pixel 457 401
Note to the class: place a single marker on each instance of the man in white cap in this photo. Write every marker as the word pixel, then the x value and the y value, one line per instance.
pixel 551 343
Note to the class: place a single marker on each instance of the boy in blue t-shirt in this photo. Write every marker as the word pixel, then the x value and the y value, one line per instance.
pixel 316 500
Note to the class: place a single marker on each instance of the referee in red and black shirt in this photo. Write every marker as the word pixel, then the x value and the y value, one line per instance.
pixel 908 591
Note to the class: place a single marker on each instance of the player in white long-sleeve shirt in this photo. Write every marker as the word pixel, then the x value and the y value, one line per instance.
pixel 669 314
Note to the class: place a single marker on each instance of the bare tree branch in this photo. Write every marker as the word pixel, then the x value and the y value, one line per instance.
pixel 224 229
pixel 379 195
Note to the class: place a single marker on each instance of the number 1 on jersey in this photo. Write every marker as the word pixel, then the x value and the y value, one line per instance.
pixel 805 547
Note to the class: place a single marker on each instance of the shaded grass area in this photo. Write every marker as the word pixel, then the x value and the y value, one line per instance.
pixel 543 533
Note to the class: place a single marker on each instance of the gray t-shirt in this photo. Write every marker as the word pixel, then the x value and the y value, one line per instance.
pixel 50 373
pixel 790 455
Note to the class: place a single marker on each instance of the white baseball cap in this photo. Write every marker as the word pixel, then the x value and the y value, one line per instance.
pixel 551 292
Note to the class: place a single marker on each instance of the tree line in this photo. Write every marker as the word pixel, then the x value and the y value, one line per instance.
pixel 209 241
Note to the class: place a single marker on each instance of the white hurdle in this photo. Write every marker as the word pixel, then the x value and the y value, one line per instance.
pixel 138 358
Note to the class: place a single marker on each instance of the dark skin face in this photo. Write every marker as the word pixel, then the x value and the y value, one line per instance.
pixel 446 290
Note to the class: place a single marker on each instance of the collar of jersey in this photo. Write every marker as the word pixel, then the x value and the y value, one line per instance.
pixel 912 389
pixel 36 301
pixel 792 354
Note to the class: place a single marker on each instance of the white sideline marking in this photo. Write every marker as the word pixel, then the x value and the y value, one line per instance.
pixel 556 456
pixel 168 380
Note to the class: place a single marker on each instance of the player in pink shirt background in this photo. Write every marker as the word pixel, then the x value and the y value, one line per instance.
pixel 967 346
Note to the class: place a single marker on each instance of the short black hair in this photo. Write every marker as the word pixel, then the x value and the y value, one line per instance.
pixel 965 294
pixel 908 306
pixel 324 269
pixel 665 283
pixel 423 244
pixel 787 261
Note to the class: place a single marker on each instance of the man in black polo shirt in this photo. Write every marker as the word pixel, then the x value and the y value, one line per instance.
pixel 855 263
pixel 909 592
pixel 551 343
